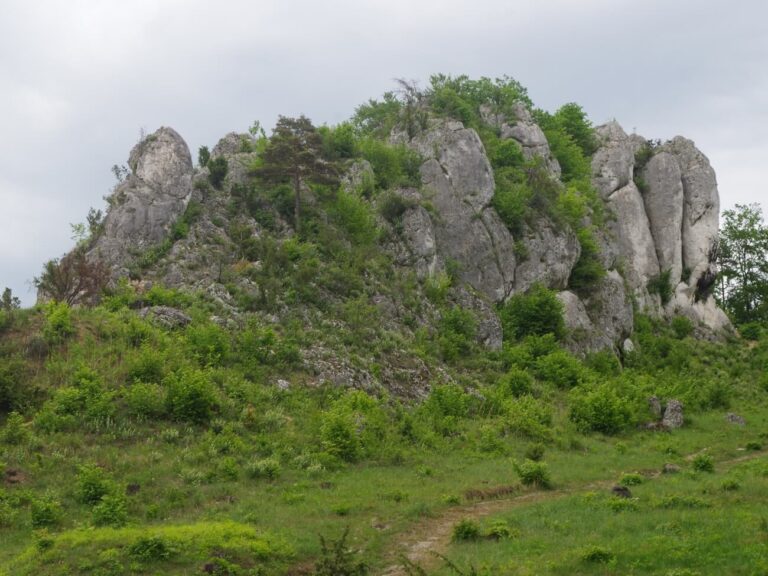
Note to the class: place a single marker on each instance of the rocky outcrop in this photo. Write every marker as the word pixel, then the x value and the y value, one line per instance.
pixel 530 137
pixel 663 200
pixel 147 203
pixel 458 181
pixel 550 254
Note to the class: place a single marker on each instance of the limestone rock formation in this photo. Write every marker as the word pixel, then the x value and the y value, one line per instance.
pixel 458 180
pixel 147 203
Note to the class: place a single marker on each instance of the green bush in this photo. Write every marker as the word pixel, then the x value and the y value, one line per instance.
pixel 562 369
pixel 150 548
pixel 662 286
pixel 266 468
pixel 599 408
pixel 15 390
pixel 516 382
pixel 354 426
pixel 209 343
pixel 534 474
pixel 14 432
pixel 631 479
pixel 526 416
pixel 597 555
pixel 751 330
pixel 92 484
pixel 146 400
pixel 466 530
pixel 537 312
pixel 588 270
pixel 111 510
pixel 58 322
pixel 392 206
pixel 456 333
pixel 355 217
pixel 148 366
pixel 46 512
pixel 336 559
pixel 393 166
pixel 703 463
pixel 217 168
pixel 681 326
pixel 190 396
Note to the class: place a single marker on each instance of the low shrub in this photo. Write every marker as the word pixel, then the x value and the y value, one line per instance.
pixel 597 555
pixel 534 474
pixel 92 484
pixel 528 417
pixel 146 401
pixel 537 312
pixel 703 463
pixel 190 396
pixel 466 530
pixel 267 468
pixel 112 510
pixel 599 408
pixel 46 512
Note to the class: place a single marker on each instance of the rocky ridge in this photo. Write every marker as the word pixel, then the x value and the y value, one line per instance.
pixel 664 222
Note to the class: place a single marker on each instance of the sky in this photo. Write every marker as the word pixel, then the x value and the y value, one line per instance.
pixel 80 80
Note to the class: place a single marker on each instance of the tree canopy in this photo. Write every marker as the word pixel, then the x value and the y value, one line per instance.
pixel 743 261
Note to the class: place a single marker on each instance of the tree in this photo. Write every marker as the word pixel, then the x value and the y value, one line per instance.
pixel 73 279
pixel 294 155
pixel 743 262
pixel 9 302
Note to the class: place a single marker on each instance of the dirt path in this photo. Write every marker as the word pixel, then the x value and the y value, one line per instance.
pixel 432 536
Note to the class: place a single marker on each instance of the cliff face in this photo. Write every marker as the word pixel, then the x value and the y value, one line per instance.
pixel 662 223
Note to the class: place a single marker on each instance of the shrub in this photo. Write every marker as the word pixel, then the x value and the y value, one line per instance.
pixel 599 409
pixel 218 168
pixel 536 313
pixel 190 396
pixel 703 463
pixel 46 512
pixel 681 326
pixel 149 366
pixel 92 484
pixel 146 400
pixel 112 510
pixel 751 330
pixel 535 452
pixel 267 468
pixel 516 382
pixel 355 217
pixel 150 548
pixel 456 333
pixel 354 426
pixel 588 270
pixel 58 322
pixel 336 559
pixel 466 530
pixel 662 286
pixel 528 417
pixel 209 344
pixel 14 432
pixel 534 474
pixel 392 206
pixel 393 166
pixel 631 479
pixel 597 555
pixel 562 369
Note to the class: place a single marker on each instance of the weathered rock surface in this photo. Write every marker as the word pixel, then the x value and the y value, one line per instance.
pixel 145 205
pixel 458 180
pixel 613 162
pixel 530 137
pixel 550 256
pixel 664 207
pixel 673 415
pixel 165 316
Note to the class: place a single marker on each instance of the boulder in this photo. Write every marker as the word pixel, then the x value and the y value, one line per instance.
pixel 550 254
pixel 673 415
pixel 530 137
pixel 613 162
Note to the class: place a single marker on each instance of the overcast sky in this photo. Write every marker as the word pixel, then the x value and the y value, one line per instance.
pixel 79 80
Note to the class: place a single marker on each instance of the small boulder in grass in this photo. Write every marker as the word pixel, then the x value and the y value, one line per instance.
pixel 621 492
pixel 670 469
pixel 673 415
pixel 735 419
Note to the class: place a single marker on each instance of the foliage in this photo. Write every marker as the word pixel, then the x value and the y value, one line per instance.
pixel 190 396
pixel 465 530
pixel 217 171
pixel 599 408
pixel 456 333
pixel 73 279
pixel 588 270
pixel 355 217
pixel 682 326
pixel 534 473
pixel 743 261
pixel 92 484
pixel 528 417
pixel 562 369
pixel 58 322
pixel 203 156
pixel 294 155
pixel 703 463
pixel 9 302
pixel 537 312
pixel 336 559
pixel 661 285
pixel 394 166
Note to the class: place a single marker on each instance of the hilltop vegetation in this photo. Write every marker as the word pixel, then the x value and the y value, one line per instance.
pixel 280 383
